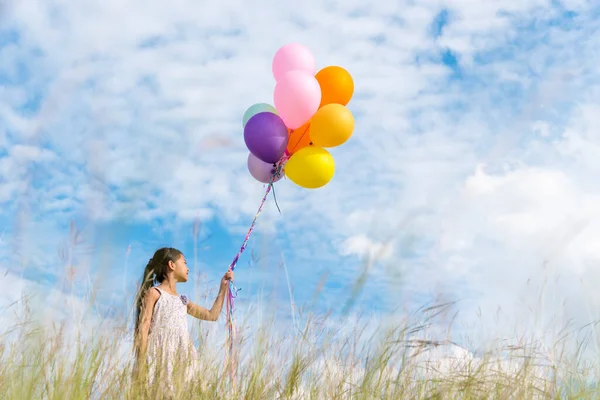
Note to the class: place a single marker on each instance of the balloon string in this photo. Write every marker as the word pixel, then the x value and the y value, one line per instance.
pixel 301 136
pixel 275 199
pixel 232 290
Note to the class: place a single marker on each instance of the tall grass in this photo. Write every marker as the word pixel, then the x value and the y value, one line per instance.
pixel 52 361
pixel 315 357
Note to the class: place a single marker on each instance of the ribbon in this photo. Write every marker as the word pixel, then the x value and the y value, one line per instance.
pixel 233 291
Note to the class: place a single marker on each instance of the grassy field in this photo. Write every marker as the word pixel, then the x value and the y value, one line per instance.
pixel 50 361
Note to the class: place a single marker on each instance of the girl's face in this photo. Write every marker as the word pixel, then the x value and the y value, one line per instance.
pixel 180 269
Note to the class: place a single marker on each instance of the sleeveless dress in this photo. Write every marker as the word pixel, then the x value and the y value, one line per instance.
pixel 170 349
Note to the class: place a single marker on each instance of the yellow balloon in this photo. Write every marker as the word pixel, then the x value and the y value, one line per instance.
pixel 311 167
pixel 331 126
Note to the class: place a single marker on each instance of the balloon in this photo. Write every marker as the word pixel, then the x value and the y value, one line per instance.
pixel 312 167
pixel 256 109
pixel 299 138
pixel 266 137
pixel 331 126
pixel 260 170
pixel 336 84
pixel 293 57
pixel 297 97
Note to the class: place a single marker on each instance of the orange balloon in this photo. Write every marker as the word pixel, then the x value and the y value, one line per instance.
pixel 299 138
pixel 337 86
pixel 332 126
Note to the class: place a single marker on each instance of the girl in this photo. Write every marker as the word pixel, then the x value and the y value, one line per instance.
pixel 162 340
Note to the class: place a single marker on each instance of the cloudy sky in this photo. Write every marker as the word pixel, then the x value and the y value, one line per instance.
pixel 471 175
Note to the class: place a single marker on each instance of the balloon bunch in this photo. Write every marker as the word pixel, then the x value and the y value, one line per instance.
pixel 289 139
pixel 309 116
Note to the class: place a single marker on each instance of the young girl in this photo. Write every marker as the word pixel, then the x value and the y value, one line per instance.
pixel 162 340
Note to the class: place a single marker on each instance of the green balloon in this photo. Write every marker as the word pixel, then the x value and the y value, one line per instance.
pixel 257 109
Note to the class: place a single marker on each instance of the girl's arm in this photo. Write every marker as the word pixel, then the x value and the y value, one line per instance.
pixel 213 314
pixel 150 299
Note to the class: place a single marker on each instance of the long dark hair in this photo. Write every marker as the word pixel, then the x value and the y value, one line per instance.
pixel 155 271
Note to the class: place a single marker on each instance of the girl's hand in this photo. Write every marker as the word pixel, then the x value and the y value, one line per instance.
pixel 226 278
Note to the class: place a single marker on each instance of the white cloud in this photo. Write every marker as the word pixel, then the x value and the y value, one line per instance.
pixel 27 300
pixel 363 246
pixel 141 116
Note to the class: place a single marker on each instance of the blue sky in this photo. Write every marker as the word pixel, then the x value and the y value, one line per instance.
pixel 471 175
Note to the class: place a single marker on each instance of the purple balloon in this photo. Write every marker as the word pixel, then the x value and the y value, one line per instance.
pixel 266 136
pixel 260 170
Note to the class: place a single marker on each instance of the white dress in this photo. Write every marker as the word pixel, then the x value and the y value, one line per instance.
pixel 170 348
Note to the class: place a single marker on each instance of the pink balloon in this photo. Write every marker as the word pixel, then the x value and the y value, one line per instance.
pixel 293 57
pixel 297 98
